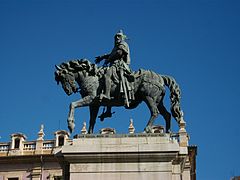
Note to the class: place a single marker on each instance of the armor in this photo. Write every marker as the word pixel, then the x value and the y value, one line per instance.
pixel 118 61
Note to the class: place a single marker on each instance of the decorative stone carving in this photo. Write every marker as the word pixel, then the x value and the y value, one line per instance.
pixel 107 131
pixel 84 129
pixel 41 133
pixel 183 136
pixel 158 129
pixel 39 142
pixel 131 128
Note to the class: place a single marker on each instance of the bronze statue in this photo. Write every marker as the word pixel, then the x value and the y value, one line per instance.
pixel 114 84
pixel 148 86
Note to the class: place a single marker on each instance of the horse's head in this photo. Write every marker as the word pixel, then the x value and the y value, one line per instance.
pixel 67 80
pixel 65 74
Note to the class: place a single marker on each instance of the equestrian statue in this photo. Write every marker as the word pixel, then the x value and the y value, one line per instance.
pixel 115 84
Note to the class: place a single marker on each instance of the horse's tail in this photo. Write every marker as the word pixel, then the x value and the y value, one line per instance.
pixel 175 93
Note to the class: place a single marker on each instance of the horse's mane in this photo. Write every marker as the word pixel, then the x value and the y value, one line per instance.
pixel 77 65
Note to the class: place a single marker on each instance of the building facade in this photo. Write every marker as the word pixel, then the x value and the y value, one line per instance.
pixel 100 156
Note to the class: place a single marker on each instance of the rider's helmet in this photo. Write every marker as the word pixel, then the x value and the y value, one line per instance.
pixel 119 36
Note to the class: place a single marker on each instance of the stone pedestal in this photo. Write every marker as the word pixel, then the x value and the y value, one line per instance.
pixel 124 157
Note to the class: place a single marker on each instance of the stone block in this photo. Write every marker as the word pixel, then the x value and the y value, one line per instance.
pixel 132 156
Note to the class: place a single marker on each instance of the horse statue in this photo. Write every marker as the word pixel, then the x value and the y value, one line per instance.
pixel 87 78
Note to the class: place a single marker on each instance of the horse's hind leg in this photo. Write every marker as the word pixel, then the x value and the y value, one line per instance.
pixel 166 115
pixel 154 113
pixel 93 116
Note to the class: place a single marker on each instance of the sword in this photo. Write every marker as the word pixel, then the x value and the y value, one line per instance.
pixel 124 86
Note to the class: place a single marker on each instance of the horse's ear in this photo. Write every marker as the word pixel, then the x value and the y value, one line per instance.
pixel 58 68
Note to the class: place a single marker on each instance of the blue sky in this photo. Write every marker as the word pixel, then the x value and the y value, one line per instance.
pixel 197 42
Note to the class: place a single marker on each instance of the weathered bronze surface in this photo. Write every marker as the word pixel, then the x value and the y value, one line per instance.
pixel 114 84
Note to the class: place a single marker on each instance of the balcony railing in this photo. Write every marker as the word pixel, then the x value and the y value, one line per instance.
pixel 28 146
pixel 48 145
pixel 4 147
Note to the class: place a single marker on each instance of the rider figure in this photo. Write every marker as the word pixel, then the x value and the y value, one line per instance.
pixel 119 58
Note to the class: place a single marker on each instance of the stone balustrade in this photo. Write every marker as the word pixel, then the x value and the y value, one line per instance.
pixel 20 146
pixel 29 146
pixel 48 145
pixel 4 147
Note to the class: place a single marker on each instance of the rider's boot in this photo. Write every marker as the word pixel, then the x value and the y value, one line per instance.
pixel 107 114
pixel 106 95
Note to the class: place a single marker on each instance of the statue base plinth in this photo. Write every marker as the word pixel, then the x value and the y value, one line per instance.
pixel 128 156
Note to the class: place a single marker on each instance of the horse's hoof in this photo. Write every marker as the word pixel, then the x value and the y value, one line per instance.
pixel 148 129
pixel 168 131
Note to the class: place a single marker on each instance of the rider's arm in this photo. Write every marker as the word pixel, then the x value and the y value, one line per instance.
pixel 100 58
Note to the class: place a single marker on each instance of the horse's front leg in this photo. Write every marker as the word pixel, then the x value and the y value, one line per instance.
pixel 86 101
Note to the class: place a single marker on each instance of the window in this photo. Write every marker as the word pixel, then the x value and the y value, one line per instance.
pixel 16 144
pixel 14 178
pixel 60 140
